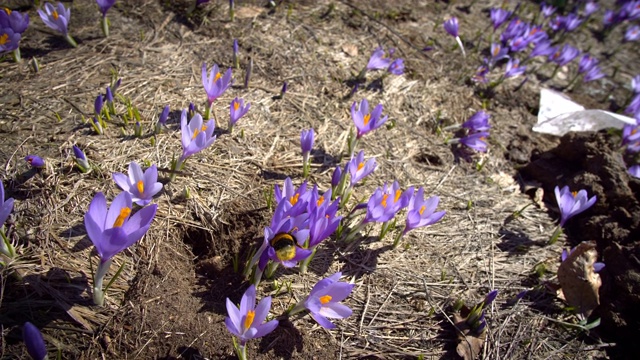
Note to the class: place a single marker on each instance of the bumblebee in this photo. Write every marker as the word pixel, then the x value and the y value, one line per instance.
pixel 285 246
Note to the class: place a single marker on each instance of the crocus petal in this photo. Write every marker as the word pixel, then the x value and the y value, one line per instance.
pixel 323 321
pixel 122 181
pixel 235 318
pixel 98 210
pixel 121 201
pixel 248 301
pixel 335 310
pixel 135 172
pixel 265 328
pixel 140 219
pixel 340 291
pixel 231 326
pixel 262 310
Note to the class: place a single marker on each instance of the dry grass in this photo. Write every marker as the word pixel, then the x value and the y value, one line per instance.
pixel 402 298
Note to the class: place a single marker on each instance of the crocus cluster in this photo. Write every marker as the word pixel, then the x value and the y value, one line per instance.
pixel 12 25
pixel 6 206
pixel 570 204
pixel 631 137
pixel 476 132
pixel 302 219
pixel 57 18
pixel 112 229
pixel 379 61
pixel 519 36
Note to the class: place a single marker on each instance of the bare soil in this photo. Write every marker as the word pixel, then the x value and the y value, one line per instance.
pixel 169 301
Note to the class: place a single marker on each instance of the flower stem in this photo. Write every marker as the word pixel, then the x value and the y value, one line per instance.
pixel 98 293
pixel 16 55
pixel 304 264
pixel 71 41
pixel 556 235
pixel 396 241
pixel 6 248
pixel 104 24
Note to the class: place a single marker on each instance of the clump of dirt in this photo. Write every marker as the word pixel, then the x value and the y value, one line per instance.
pixel 594 162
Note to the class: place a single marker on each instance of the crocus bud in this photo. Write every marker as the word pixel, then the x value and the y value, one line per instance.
pixel 337 175
pixel 81 159
pixel 109 95
pixel 236 61
pixel 35 161
pixel 490 297
pixel 164 115
pixel 98 105
pixel 34 342
pixel 192 110
pixel 284 89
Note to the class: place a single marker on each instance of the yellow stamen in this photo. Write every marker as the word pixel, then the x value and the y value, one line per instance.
pixel 496 50
pixel 294 199
pixel 217 77
pixel 197 131
pixel 140 186
pixel 398 193
pixel 320 200
pixel 367 118
pixel 360 166
pixel 248 321
pixel 422 209
pixel 4 38
pixel 8 11
pixel 236 105
pixel 384 200
pixel 325 299
pixel 124 214
pixel 55 15
pixel 574 193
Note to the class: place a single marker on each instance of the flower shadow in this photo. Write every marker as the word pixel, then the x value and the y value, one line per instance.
pixel 284 340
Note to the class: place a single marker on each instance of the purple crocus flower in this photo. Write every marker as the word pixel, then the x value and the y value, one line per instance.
pixel 378 61
pixel 307 138
pixel 634 106
pixel 571 22
pixel 97 105
pixel 164 116
pixel 296 227
pixel 547 10
pixel 593 74
pixel 476 141
pixel 590 7
pixel 385 203
pixel 498 52
pixel 247 321
pixel 364 120
pixel 9 40
pixel 634 171
pixel 477 122
pixel 489 298
pixel 323 221
pixel 81 159
pixel 196 136
pixel 141 186
pixel 421 212
pixel 112 229
pixel 499 16
pixel 630 134
pixel 396 67
pixel 237 109
pixel 215 84
pixel 632 33
pixel 34 342
pixel 572 203
pixel 105 5
pixel 609 18
pixel 17 21
pixel 543 48
pixel 35 161
pixel 515 28
pixel 336 176
pixel 5 206
pixel 586 63
pixel 513 68
pixel 358 169
pixel 565 55
pixel 451 26
pixel 324 299
pixel 56 18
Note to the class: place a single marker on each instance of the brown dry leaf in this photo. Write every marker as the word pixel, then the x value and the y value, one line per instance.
pixel 350 49
pixel 579 281
pixel 469 343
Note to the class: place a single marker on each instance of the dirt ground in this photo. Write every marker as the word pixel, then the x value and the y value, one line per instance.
pixel 169 301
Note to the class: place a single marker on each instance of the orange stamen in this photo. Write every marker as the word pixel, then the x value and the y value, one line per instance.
pixel 325 299
pixel 398 193
pixel 574 193
pixel 294 199
pixel 384 200
pixel 360 166
pixel 248 321
pixel 140 186
pixel 8 11
pixel 320 200
pixel 55 15
pixel 4 38
pixel 124 214
pixel 422 209
pixel 236 105
pixel 217 77
pixel 367 118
